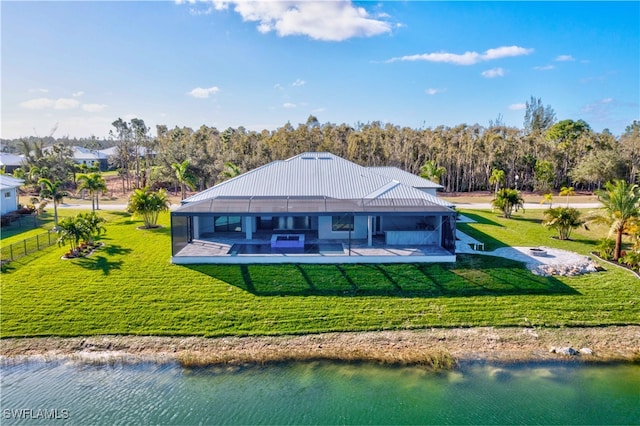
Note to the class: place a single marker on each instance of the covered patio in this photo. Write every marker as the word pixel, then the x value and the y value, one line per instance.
pixel 315 208
pixel 312 230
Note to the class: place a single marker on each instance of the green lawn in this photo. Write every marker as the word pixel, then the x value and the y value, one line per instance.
pixel 129 287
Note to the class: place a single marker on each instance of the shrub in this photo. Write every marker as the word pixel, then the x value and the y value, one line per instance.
pixel 563 219
pixel 605 248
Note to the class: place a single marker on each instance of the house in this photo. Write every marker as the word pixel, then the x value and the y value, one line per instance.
pixel 315 208
pixel 10 162
pixel 9 188
pixel 89 157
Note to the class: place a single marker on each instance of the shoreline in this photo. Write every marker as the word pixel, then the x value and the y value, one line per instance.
pixel 431 348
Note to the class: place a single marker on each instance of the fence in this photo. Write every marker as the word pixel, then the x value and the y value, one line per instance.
pixel 27 246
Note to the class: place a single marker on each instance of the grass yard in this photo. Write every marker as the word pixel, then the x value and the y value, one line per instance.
pixel 129 287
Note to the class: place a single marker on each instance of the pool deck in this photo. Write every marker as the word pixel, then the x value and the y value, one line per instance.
pixel 219 250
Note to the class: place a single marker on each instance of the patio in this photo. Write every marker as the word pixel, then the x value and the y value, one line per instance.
pixel 230 250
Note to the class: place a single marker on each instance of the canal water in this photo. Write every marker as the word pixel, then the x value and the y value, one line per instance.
pixel 318 393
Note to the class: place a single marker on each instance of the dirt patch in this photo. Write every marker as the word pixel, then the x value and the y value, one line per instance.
pixel 433 347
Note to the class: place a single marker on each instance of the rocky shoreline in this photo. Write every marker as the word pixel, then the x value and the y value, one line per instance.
pixel 437 348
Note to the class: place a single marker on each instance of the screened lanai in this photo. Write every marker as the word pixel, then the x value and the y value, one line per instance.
pixel 304 210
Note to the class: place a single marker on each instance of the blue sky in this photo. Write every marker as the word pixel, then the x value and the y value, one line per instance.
pixel 81 65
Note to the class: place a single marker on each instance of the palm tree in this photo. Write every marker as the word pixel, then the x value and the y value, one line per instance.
pixel 148 204
pixel 184 178
pixel 506 200
pixel 497 177
pixel 55 193
pixel 71 230
pixel 94 183
pixel 230 170
pixel 431 171
pixel 547 199
pixel 93 225
pixel 564 219
pixel 568 191
pixel 621 203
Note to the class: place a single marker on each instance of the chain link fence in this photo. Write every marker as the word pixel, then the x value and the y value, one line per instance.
pixel 27 246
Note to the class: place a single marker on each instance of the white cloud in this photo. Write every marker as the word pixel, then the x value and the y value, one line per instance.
pixel 288 105
pixel 38 103
pixel 38 90
pixel 319 20
pixel 298 83
pixel 493 72
pixel 77 94
pixel 46 103
pixel 565 58
pixel 278 86
pixel 517 107
pixel 544 67
pixel 201 93
pixel 66 103
pixel 93 107
pixel 467 58
pixel 433 91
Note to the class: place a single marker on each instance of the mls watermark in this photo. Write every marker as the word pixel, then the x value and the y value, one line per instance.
pixel 35 414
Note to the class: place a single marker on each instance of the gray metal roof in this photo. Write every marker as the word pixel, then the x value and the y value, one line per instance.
pixel 406 178
pixel 7 159
pixel 318 178
pixel 7 182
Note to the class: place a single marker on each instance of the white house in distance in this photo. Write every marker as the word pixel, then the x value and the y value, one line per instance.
pixel 10 162
pixel 315 208
pixel 9 188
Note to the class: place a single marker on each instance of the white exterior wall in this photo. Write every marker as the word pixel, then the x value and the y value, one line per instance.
pixel 8 200
pixel 325 231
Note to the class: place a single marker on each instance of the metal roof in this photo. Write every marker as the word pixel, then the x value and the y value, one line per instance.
pixel 7 159
pixel 8 182
pixel 325 181
pixel 406 178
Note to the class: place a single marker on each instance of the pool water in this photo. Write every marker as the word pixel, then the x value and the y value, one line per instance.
pixel 328 248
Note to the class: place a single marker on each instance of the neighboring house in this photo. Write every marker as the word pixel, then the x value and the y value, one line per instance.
pixel 89 157
pixel 113 152
pixel 9 193
pixel 10 162
pixel 315 208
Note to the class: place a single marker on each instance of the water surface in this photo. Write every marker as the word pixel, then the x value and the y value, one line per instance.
pixel 319 393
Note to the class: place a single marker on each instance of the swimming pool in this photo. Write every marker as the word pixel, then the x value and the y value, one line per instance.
pixel 325 249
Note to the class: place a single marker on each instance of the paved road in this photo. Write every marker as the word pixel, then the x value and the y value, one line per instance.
pixel 527 206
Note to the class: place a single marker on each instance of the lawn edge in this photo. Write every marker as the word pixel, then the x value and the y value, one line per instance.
pixel 431 348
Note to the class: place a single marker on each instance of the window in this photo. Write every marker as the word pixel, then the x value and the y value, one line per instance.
pixel 228 223
pixel 342 223
pixel 7 194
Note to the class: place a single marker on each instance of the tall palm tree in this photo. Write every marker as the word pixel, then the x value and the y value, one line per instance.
pixel 568 191
pixel 621 202
pixel 184 178
pixel 497 177
pixel 148 204
pixel 55 193
pixel 95 184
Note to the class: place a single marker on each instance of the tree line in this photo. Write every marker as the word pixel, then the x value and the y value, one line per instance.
pixel 543 155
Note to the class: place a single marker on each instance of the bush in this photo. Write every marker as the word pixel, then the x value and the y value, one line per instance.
pixel 605 248
pixel 631 259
